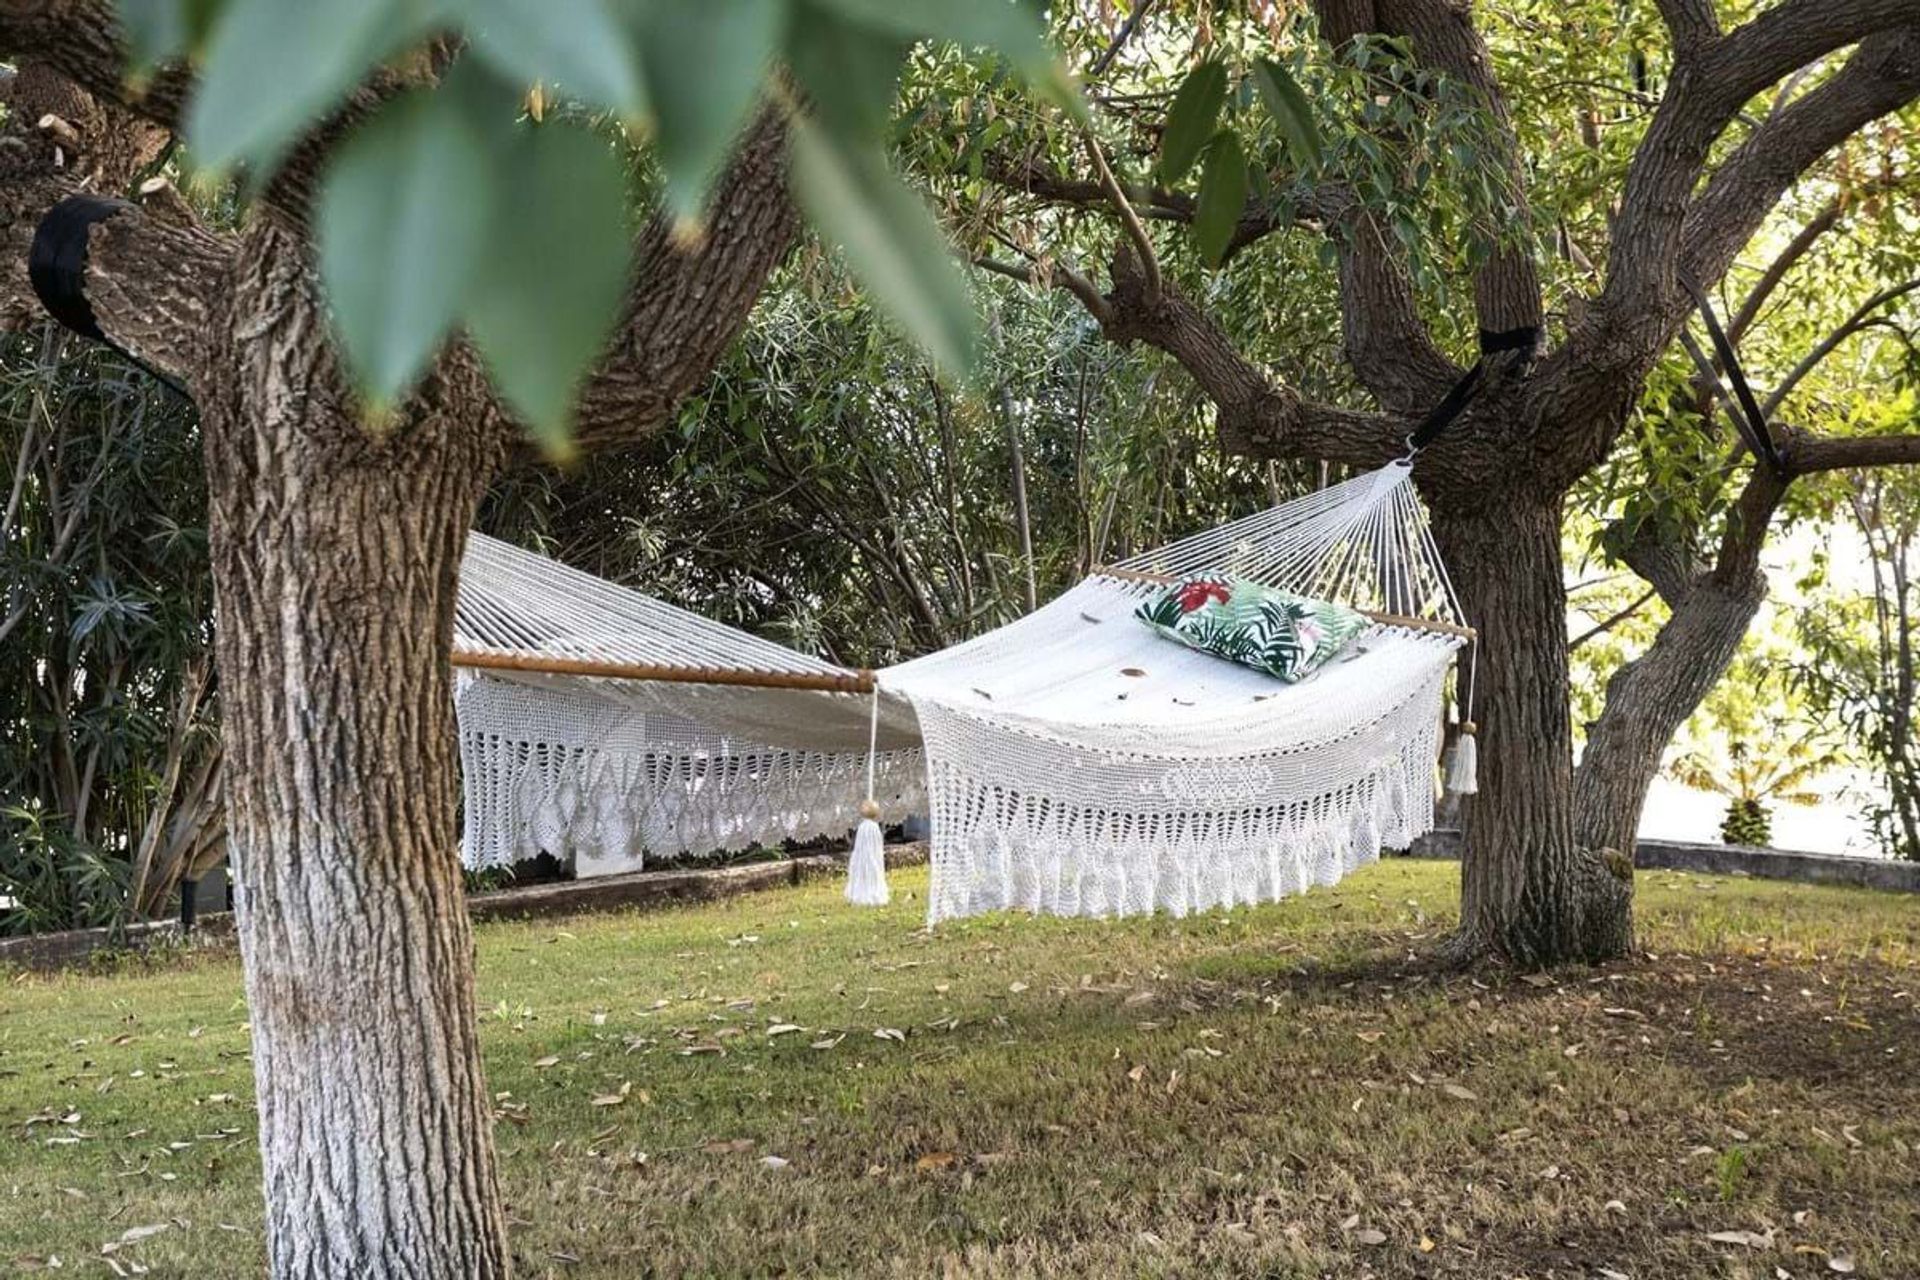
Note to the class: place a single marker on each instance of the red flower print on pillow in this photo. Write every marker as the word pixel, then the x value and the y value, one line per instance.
pixel 1201 592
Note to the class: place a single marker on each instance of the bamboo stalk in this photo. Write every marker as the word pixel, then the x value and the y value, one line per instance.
pixel 1384 619
pixel 860 681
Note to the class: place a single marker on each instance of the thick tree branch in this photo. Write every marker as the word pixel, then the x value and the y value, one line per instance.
pixel 1882 75
pixel 1387 343
pixel 1254 415
pixel 1506 290
pixel 1664 563
pixel 1736 565
pixel 1692 23
pixel 688 303
pixel 81 39
pixel 1809 456
pixel 154 274
pixel 1710 85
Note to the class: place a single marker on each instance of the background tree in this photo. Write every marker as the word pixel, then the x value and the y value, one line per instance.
pixel 108 752
pixel 1860 655
pixel 830 489
pixel 1762 756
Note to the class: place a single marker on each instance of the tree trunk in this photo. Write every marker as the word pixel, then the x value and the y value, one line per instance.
pixel 1648 700
pixel 1528 894
pixel 335 551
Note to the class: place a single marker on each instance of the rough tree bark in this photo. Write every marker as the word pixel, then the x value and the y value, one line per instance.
pixel 1534 903
pixel 335 552
pixel 334 555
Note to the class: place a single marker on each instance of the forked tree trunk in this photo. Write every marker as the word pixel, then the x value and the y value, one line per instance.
pixel 1528 893
pixel 1648 700
pixel 334 555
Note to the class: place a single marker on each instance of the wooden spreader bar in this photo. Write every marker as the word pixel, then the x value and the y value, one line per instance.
pixel 1384 619
pixel 548 664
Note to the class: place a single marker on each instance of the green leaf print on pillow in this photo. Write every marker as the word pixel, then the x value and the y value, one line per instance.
pixel 1285 635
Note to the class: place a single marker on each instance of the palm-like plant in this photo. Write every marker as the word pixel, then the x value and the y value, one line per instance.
pixel 1758 774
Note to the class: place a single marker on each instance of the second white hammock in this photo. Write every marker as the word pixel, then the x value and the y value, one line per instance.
pixel 1071 762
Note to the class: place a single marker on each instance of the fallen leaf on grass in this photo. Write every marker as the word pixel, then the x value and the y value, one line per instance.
pixel 727 1146
pixel 1840 1261
pixel 1370 1236
pixel 934 1161
pixel 890 1033
pixel 613 1099
pixel 541 1064
pixel 783 1029
pixel 1459 1091
pixel 1751 1239
pixel 773 1162
pixel 133 1235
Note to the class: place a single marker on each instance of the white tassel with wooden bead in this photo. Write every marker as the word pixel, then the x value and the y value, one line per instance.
pixel 867 867
pixel 1463 774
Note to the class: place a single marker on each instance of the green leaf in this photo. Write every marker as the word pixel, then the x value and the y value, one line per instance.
pixel 159 31
pixel 404 210
pixel 890 240
pixel 1287 104
pixel 272 68
pixel 1223 196
pixel 705 62
pixel 1014 30
pixel 578 45
pixel 557 272
pixel 1191 119
pixel 851 73
pixel 1011 29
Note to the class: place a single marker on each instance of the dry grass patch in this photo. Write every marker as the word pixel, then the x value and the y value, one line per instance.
pixel 781 1085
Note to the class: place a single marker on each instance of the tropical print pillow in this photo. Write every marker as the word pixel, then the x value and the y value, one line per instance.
pixel 1265 628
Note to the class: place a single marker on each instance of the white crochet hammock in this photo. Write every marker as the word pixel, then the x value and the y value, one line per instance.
pixel 1072 762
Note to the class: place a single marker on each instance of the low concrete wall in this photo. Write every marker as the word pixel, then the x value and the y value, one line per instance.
pixel 638 890
pixel 1740 860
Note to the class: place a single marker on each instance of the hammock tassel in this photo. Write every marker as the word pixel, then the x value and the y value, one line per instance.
pixel 1463 776
pixel 867 867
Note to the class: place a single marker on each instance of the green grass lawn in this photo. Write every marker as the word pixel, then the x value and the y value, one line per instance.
pixel 785 1085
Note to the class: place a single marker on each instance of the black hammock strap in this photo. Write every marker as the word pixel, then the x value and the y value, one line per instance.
pixel 1462 392
pixel 57 268
pixel 1750 421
